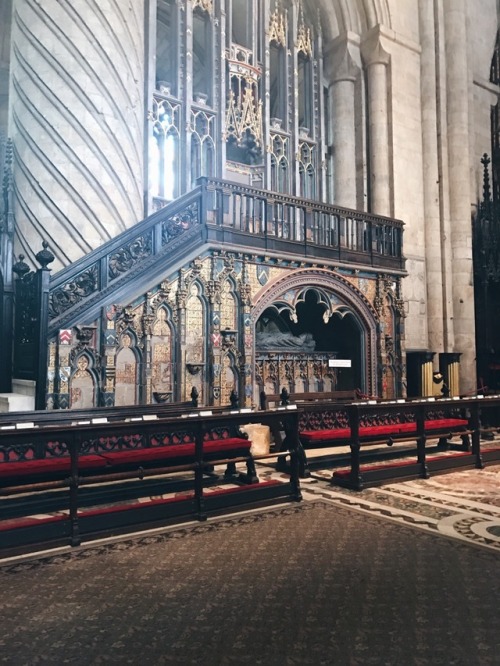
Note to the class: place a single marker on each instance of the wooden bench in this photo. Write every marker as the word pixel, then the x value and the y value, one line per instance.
pixel 416 421
pixel 285 398
pixel 328 423
pixel 28 455
pixel 387 433
pixel 112 461
pixel 8 420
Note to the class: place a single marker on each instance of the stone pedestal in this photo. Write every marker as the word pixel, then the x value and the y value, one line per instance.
pixel 16 402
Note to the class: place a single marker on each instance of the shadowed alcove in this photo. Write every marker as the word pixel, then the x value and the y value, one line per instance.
pixel 315 331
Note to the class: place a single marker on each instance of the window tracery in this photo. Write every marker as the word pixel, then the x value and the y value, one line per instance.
pixel 164 148
pixel 232 78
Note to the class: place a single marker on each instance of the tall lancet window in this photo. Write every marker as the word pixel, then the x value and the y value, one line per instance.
pixel 166 113
pixel 202 144
pixel 166 46
pixel 241 22
pixel 202 117
pixel 277 65
pixel 164 149
pixel 305 76
pixel 279 142
pixel 202 57
pixel 307 154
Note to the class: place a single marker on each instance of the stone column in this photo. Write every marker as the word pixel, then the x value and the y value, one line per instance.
pixel 77 123
pixel 377 60
pixel 342 68
pixel 457 92
pixel 433 253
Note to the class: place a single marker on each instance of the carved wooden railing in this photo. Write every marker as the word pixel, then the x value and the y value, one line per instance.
pixel 286 224
pixel 220 211
pixel 78 291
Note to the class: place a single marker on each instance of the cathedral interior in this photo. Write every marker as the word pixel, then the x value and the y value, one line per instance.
pixel 212 205
pixel 189 208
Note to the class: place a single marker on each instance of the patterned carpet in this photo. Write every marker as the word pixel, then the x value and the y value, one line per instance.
pixel 464 505
pixel 313 583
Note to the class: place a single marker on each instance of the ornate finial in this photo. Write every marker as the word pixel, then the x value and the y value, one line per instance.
pixel 20 268
pixel 485 161
pixel 45 256
pixel 277 25
pixel 204 5
pixel 304 42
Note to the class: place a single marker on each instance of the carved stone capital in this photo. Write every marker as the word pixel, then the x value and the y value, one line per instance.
pixel 343 60
pixel 374 48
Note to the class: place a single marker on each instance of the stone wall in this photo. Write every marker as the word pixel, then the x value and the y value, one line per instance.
pixel 76 121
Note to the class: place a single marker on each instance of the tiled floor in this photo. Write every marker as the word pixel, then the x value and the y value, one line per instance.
pixel 463 505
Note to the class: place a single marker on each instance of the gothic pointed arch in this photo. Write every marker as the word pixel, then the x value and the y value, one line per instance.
pixel 337 296
pixel 127 369
pixel 356 16
pixel 84 381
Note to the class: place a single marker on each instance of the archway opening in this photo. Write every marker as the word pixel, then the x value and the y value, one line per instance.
pixel 308 341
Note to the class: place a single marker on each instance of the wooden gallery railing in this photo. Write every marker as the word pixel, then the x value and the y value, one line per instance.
pixel 61 482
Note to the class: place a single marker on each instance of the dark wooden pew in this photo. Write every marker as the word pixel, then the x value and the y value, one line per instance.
pixel 284 398
pixel 70 458
pixel 111 414
pixel 333 424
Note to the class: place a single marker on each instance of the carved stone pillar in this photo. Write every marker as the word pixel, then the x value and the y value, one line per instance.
pixel 213 292
pixel 457 93
pixel 377 60
pixel 247 356
pixel 432 214
pixel 147 323
pixel 343 66
pixel 181 392
pixel 109 356
pixel 64 345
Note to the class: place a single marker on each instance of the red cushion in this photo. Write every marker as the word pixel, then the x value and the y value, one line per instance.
pixel 345 433
pixel 380 430
pixel 31 522
pixel 408 427
pixel 225 445
pixel 138 456
pixel 138 505
pixel 48 465
pixel 443 424
pixel 145 455
pixel 325 435
pixel 401 463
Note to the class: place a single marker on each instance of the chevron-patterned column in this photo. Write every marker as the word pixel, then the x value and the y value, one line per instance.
pixel 76 122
